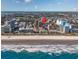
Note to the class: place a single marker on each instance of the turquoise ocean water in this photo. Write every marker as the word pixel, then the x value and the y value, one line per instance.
pixel 26 54
pixel 37 55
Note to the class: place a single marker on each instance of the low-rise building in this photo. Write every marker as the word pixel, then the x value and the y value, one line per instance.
pixel 5 29
pixel 64 25
pixel 13 25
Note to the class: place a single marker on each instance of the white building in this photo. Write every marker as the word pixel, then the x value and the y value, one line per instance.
pixel 6 29
pixel 65 27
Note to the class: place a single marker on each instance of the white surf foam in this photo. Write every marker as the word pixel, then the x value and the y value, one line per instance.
pixel 43 48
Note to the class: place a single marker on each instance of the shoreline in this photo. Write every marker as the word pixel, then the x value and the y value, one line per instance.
pixel 39 42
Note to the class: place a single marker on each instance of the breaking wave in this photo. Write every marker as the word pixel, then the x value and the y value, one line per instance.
pixel 39 52
pixel 43 48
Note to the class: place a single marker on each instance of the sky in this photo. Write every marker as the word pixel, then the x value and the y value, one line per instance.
pixel 39 5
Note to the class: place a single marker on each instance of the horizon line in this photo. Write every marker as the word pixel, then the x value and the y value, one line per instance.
pixel 39 11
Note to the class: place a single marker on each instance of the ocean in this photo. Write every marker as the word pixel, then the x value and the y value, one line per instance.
pixel 39 52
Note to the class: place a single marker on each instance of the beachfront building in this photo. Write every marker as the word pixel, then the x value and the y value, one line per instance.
pixel 64 25
pixel 6 27
pixel 21 25
pixel 13 25
pixel 67 28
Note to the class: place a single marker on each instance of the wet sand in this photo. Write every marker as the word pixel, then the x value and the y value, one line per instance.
pixel 39 42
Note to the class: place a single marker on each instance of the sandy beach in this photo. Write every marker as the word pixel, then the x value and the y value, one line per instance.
pixel 38 37
pixel 37 40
